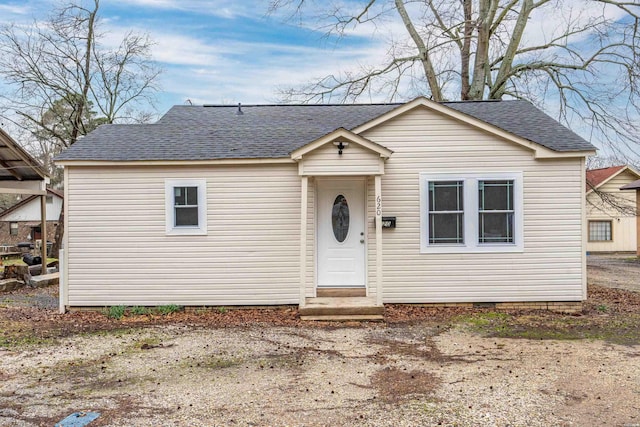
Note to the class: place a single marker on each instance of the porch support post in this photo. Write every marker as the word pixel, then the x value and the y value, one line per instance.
pixel 304 192
pixel 378 206
pixel 638 222
pixel 43 232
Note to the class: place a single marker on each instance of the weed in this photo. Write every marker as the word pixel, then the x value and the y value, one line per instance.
pixel 169 309
pixel 139 310
pixel 222 310
pixel 116 311
pixel 602 308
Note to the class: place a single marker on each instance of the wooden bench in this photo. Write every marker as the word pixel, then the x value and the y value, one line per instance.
pixel 5 255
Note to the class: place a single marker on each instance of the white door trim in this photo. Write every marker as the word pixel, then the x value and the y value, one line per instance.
pixel 317 184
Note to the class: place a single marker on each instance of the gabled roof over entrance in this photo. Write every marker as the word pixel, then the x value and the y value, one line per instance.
pixel 342 135
pixel 196 133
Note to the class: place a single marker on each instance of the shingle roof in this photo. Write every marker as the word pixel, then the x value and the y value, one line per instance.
pixel 595 177
pixel 273 131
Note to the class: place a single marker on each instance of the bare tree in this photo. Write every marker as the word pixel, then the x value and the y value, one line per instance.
pixel 58 69
pixel 588 64
pixel 65 82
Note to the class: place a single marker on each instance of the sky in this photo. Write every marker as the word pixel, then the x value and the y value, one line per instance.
pixel 218 51
pixel 235 51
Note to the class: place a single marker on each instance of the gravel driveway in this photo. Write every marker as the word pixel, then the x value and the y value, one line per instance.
pixel 614 271
pixel 376 375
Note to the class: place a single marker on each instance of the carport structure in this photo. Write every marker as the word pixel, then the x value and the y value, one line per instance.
pixel 20 173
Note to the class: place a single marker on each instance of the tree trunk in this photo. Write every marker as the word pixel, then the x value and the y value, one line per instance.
pixel 465 54
pixel 57 239
pixel 82 102
pixel 430 73
pixel 497 91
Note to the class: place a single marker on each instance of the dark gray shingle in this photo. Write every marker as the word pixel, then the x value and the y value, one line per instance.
pixel 274 131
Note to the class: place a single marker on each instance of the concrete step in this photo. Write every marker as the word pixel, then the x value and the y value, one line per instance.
pixel 346 308
pixel 345 318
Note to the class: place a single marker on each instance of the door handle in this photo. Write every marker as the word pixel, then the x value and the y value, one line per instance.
pixel 361 240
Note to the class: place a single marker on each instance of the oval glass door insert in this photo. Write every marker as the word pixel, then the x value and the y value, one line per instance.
pixel 340 218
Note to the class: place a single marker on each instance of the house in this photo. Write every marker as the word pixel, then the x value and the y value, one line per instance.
pixel 611 212
pixel 635 187
pixel 423 202
pixel 22 223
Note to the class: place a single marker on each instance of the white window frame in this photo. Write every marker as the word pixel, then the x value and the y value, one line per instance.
pixel 11 228
pixel 170 213
pixel 471 213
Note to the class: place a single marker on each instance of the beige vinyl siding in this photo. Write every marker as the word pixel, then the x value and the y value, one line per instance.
pixel 549 269
pixel 623 222
pixel 355 160
pixel 119 252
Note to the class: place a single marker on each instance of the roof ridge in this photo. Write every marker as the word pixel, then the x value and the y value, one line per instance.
pixel 608 167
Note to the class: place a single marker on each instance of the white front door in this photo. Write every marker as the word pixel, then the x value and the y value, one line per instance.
pixel 341 233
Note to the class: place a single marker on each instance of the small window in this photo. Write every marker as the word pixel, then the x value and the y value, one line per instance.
pixel 186 206
pixel 600 231
pixel 185 209
pixel 446 212
pixel 495 210
pixel 13 228
pixel 340 218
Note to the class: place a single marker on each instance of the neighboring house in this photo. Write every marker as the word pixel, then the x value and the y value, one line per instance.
pixel 611 212
pixel 21 222
pixel 276 204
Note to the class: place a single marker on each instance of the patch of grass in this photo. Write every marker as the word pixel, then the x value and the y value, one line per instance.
pixel 168 309
pixel 116 311
pixel 480 320
pixel 139 310
pixel 19 341
pixel 617 329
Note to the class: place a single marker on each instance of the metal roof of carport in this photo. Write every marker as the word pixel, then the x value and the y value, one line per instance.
pixel 20 173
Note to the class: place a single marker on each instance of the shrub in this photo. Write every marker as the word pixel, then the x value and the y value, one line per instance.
pixel 116 312
pixel 168 309
pixel 139 310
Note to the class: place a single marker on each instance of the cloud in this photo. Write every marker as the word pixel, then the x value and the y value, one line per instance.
pixel 219 8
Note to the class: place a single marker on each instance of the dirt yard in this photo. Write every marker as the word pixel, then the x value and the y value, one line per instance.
pixel 454 367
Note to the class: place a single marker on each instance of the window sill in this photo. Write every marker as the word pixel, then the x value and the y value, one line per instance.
pixel 186 231
pixel 458 249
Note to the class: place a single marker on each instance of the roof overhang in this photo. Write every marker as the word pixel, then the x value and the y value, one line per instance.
pixel 540 152
pixel 635 185
pixel 124 163
pixel 341 134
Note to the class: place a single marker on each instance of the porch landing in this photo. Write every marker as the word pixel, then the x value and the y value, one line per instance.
pixel 341 309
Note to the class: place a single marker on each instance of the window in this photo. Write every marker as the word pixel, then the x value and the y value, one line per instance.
pixel 49 199
pixel 340 218
pixel 185 206
pixel 471 212
pixel 446 212
pixel 13 228
pixel 600 231
pixel 495 210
